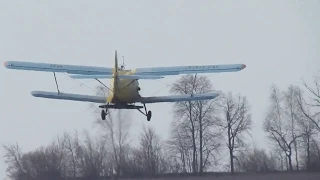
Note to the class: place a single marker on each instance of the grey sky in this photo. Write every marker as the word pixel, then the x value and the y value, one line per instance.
pixel 278 41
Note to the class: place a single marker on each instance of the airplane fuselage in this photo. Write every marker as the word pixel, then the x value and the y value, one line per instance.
pixel 123 90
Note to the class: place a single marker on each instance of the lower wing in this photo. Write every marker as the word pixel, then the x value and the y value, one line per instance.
pixel 102 99
pixel 68 96
pixel 177 98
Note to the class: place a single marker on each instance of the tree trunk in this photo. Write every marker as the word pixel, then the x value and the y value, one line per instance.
pixel 296 151
pixel 230 148
pixel 231 161
pixel 308 152
pixel 201 151
pixel 183 161
pixel 290 161
pixel 281 161
pixel 193 140
pixel 194 151
pixel 287 164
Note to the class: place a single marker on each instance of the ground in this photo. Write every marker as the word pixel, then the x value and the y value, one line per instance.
pixel 249 176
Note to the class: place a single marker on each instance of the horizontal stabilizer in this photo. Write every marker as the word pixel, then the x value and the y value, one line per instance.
pixel 177 98
pixel 68 96
pixel 119 76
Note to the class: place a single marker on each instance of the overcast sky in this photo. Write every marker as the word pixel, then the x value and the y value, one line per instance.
pixel 279 42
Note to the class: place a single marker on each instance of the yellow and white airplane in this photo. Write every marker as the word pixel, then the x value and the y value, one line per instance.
pixel 124 90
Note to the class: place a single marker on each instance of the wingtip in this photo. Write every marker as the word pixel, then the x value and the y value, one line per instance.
pixel 6 64
pixel 34 93
pixel 44 93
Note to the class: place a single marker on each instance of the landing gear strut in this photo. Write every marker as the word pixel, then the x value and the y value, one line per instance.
pixel 148 114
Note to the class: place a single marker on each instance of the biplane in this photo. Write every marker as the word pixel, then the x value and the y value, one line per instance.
pixel 124 90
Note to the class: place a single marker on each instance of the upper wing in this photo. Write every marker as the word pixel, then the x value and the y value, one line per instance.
pixel 71 69
pixel 176 70
pixel 68 96
pixel 177 98
pixel 93 70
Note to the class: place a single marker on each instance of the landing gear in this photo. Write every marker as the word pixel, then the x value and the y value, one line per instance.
pixel 103 115
pixel 148 114
pixel 105 107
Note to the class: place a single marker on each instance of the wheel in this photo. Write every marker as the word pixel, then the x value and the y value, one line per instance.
pixel 149 116
pixel 103 115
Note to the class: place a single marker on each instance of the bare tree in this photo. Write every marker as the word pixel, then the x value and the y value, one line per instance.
pixel 13 158
pixel 315 154
pixel 313 103
pixel 151 152
pixel 195 121
pixel 41 163
pixel 281 120
pixel 72 146
pixel 236 120
pixel 309 118
pixel 281 157
pixel 315 92
pixel 65 157
pixel 116 130
pixel 257 160
pixel 179 144
pixel 186 85
pixel 306 127
pixel 292 115
pixel 93 157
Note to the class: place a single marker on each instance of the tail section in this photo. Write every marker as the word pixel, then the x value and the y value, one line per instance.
pixel 115 74
pixel 116 63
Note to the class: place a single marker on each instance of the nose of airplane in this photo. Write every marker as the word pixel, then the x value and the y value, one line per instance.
pixel 244 66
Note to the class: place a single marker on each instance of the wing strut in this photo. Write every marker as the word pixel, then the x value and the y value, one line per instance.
pixel 194 82
pixel 55 78
pixel 103 84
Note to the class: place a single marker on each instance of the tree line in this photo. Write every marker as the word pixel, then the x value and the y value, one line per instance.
pixel 201 133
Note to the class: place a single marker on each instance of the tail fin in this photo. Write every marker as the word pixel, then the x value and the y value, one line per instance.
pixel 116 62
pixel 115 74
